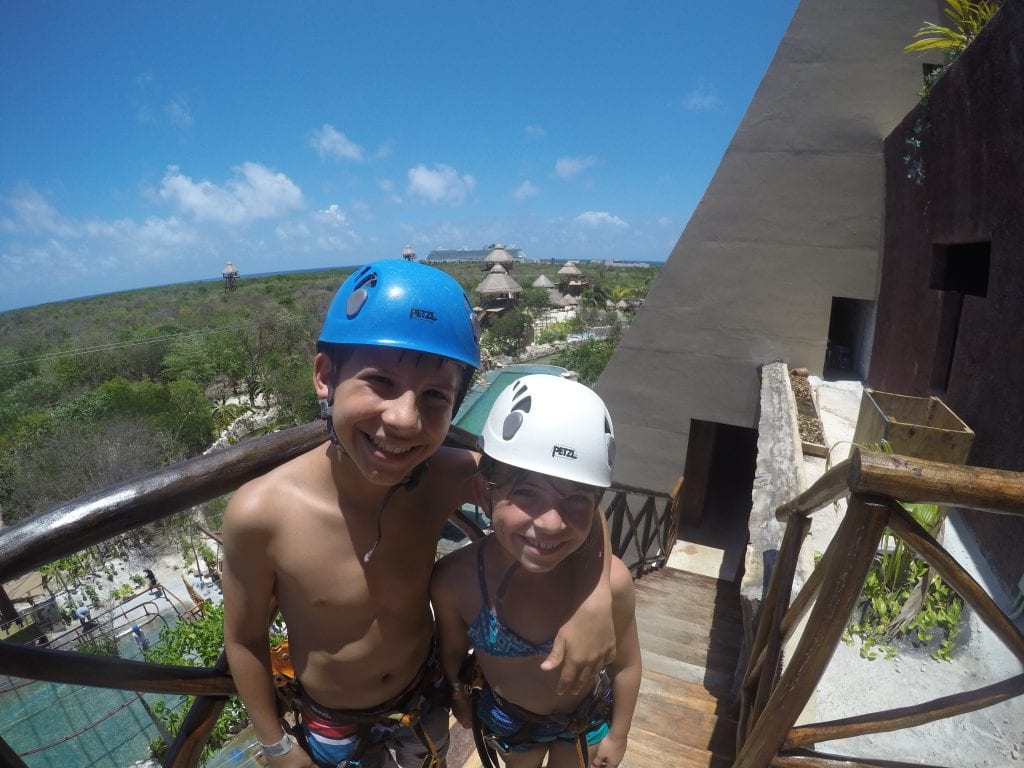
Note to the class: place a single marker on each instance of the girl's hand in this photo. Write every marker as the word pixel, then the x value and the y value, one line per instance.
pixel 609 752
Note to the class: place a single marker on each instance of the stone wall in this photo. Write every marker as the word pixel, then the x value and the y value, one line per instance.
pixel 951 302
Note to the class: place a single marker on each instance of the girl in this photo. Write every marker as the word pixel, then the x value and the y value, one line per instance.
pixel 548 447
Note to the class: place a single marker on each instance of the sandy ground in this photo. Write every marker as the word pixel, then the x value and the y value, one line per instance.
pixel 853 685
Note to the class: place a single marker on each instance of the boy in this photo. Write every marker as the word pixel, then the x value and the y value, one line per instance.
pixel 344 536
pixel 548 448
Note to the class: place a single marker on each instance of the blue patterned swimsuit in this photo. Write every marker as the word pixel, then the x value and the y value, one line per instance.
pixel 519 729
pixel 489 634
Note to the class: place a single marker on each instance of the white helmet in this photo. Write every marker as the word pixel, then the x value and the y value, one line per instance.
pixel 554 426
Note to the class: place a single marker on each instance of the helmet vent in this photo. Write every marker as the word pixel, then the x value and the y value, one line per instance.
pixel 511 425
pixel 355 302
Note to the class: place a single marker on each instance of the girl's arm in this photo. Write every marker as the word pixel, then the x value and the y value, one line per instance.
pixel 626 671
pixel 586 642
pixel 453 644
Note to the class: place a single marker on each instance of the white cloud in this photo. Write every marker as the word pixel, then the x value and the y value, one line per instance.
pixel 332 215
pixel 330 142
pixel 568 167
pixel 600 219
pixel 440 184
pixel 525 190
pixel 536 131
pixel 256 192
pixel 388 188
pixel 33 213
pixel 179 113
pixel 701 99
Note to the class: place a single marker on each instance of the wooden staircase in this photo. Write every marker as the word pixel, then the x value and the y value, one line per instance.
pixel 690 633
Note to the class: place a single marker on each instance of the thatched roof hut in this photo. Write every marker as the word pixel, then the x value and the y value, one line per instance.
pixel 499 256
pixel 570 269
pixel 543 281
pixel 499 283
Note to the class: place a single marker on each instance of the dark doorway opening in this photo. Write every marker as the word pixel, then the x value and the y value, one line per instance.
pixel 718 481
pixel 850 330
pixel 958 270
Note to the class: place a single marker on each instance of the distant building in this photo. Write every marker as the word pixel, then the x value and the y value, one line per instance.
pixel 479 254
pixel 408 253
pixel 230 275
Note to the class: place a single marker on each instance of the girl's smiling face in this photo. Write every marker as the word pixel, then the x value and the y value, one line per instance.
pixel 538 519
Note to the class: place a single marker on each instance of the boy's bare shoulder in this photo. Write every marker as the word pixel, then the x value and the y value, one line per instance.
pixel 458 464
pixel 448 480
pixel 259 502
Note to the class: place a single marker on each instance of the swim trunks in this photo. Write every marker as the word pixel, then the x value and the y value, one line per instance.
pixel 413 726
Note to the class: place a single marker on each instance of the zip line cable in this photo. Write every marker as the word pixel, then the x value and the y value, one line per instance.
pixel 139 342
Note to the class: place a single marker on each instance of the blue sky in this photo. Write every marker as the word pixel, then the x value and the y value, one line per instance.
pixel 146 143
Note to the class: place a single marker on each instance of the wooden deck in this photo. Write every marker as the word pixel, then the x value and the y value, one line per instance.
pixel 690 631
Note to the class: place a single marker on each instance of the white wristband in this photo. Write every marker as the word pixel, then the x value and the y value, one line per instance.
pixel 278 748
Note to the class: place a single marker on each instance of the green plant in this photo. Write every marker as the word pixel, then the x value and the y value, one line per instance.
pixel 123 592
pixel 901 595
pixel 587 359
pixel 968 20
pixel 92 594
pixel 99 641
pixel 195 642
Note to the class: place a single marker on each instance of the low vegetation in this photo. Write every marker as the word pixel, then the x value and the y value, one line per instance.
pixel 98 390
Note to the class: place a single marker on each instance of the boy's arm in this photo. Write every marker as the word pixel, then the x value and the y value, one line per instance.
pixel 453 644
pixel 248 583
pixel 586 642
pixel 626 671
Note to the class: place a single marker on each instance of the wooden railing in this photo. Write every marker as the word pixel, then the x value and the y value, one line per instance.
pixel 643 539
pixel 773 695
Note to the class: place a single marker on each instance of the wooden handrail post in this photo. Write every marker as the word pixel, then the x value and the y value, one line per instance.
pixel 858 537
pixel 782 575
pixel 195 730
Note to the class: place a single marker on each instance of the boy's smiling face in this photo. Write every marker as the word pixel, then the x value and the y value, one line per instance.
pixel 392 407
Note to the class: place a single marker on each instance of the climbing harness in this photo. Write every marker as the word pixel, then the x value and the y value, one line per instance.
pixel 403 711
pixel 595 707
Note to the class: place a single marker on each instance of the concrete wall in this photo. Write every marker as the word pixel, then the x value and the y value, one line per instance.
pixel 972 153
pixel 792 217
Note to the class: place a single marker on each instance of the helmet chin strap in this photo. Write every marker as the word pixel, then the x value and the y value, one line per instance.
pixel 410 482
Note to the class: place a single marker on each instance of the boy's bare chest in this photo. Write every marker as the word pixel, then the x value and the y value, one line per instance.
pixel 320 566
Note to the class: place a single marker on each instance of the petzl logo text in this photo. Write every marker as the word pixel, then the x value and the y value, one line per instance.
pixel 565 453
pixel 422 314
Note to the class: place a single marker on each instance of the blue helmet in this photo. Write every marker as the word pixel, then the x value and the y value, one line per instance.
pixel 405 305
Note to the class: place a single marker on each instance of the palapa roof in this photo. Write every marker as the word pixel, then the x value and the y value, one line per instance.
pixel 570 268
pixel 499 256
pixel 229 269
pixel 499 281
pixel 543 281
